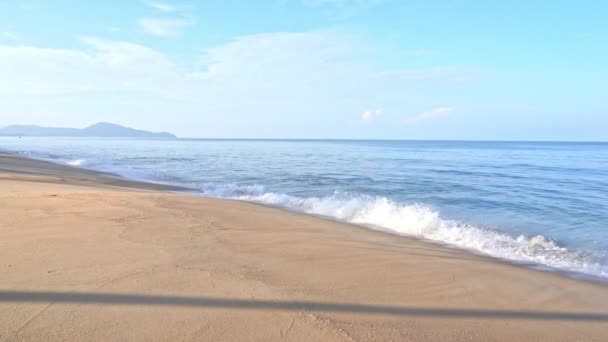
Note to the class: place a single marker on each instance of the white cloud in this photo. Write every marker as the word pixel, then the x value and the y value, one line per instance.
pixel 163 27
pixel 342 3
pixel 370 115
pixel 265 83
pixel 161 6
pixel 29 6
pixel 109 66
pixel 10 35
pixel 438 112
pixel 305 68
pixel 343 8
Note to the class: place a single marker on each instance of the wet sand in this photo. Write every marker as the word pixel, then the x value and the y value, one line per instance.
pixel 89 256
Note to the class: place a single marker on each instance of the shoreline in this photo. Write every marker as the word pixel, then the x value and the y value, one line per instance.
pixel 38 167
pixel 88 235
pixel 112 179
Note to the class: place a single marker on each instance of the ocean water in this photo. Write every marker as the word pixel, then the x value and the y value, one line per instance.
pixel 541 204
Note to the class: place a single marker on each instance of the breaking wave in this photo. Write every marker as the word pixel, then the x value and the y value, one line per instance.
pixel 381 213
pixel 76 162
pixel 384 214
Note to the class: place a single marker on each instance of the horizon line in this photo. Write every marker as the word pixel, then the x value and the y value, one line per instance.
pixel 318 139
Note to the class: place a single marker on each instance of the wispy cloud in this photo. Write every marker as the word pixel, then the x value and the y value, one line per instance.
pixel 234 70
pixel 161 6
pixel 342 3
pixel 434 113
pixel 10 35
pixel 252 74
pixel 29 6
pixel 343 8
pixel 370 116
pixel 166 28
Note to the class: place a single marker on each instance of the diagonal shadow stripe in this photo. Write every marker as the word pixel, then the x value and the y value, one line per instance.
pixel 244 304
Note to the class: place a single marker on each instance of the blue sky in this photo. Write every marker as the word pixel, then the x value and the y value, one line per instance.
pixel 382 69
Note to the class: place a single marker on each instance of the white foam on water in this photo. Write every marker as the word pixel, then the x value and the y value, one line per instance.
pixel 381 213
pixel 422 221
pixel 76 162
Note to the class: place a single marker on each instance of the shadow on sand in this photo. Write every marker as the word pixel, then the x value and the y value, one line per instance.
pixel 255 304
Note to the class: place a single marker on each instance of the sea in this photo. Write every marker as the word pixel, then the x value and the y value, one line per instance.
pixel 542 205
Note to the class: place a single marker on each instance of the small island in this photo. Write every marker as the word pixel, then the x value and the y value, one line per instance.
pixel 98 130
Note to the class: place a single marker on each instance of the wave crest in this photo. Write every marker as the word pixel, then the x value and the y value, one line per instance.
pixel 381 213
pixel 76 162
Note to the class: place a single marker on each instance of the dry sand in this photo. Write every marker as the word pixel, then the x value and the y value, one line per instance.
pixel 86 256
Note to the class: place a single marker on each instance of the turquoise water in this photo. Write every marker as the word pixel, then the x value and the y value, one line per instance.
pixel 541 204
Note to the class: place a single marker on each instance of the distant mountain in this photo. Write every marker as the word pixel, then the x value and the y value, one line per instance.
pixel 98 130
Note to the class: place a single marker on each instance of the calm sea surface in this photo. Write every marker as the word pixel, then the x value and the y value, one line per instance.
pixel 541 204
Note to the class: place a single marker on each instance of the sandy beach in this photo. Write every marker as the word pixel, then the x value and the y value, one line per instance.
pixel 87 256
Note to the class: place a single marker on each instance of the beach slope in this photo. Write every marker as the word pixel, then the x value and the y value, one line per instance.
pixel 89 256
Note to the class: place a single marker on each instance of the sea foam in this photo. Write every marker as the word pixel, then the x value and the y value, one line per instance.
pixel 76 162
pixel 386 213
pixel 419 220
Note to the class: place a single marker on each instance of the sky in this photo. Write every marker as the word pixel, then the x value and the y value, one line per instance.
pixel 339 69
